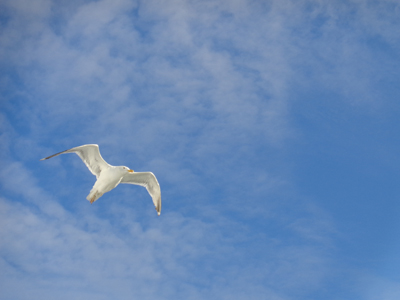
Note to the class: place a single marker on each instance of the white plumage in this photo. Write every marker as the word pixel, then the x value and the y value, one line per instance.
pixel 108 177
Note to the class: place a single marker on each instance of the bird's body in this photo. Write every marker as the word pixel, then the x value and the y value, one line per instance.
pixel 108 177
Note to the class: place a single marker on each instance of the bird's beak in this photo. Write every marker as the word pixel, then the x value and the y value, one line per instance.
pixel 130 171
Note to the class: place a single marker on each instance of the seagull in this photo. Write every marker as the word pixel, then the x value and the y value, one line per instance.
pixel 108 177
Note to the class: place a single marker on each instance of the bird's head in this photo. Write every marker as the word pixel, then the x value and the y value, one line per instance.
pixel 128 170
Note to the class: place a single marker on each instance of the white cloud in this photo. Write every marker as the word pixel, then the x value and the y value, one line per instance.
pixel 202 94
pixel 121 253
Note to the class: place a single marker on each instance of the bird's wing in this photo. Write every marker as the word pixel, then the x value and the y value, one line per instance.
pixel 90 155
pixel 149 181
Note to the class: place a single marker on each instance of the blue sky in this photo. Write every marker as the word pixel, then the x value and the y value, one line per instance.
pixel 272 127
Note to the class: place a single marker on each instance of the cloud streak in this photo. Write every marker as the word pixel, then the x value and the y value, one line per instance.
pixel 220 99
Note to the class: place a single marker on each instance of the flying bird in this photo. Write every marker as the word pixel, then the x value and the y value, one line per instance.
pixel 108 177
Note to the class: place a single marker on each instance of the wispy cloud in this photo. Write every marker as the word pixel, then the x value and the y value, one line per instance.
pixel 118 256
pixel 207 95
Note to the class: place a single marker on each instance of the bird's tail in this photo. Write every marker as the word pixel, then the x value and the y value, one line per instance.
pixel 94 195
